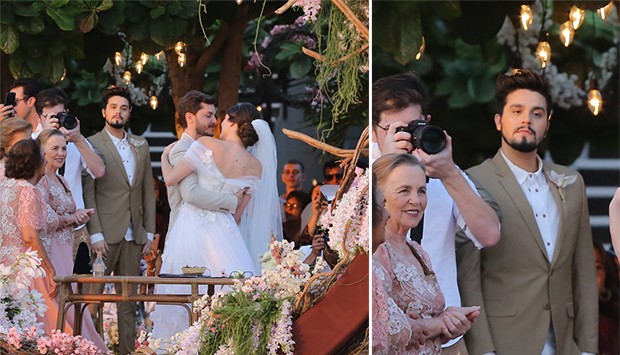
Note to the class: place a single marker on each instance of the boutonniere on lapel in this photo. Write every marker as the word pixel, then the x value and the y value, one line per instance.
pixel 135 142
pixel 562 181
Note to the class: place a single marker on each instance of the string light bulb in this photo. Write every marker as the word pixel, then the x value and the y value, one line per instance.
pixel 259 108
pixel 576 17
pixel 543 53
pixel 605 11
pixel 179 47
pixel 595 99
pixel 127 77
pixel 118 58
pixel 139 67
pixel 144 58
pixel 181 59
pixel 153 102
pixel 239 2
pixel 420 53
pixel 527 16
pixel 159 55
pixel 64 74
pixel 567 33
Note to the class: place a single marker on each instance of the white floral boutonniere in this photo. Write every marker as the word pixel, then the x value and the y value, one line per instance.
pixel 562 181
pixel 136 142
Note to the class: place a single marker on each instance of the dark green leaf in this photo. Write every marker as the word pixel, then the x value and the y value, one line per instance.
pixel 32 27
pixel 64 19
pixel 459 98
pixel 26 11
pixel 58 3
pixel 7 17
pixel 138 31
pixel 105 5
pixel 174 8
pixel 402 35
pixel 300 67
pixel 57 69
pixel 166 30
pixel 148 3
pixel 19 70
pixel 446 9
pixel 157 12
pixel 36 64
pixel 9 40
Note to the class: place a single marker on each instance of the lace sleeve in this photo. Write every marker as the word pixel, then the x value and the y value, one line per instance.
pixel 390 325
pixel 30 211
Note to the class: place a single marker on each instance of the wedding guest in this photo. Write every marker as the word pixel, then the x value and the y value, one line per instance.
pixel 58 243
pixel 25 91
pixel 25 216
pixel 296 201
pixel 404 270
pixel 122 227
pixel 12 130
pixel 608 302
pixel 332 173
pixel 537 285
pixel 310 215
pixel 162 218
pixel 292 176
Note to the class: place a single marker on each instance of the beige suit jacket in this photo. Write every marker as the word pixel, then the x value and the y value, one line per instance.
pixel 522 293
pixel 115 200
pixel 189 190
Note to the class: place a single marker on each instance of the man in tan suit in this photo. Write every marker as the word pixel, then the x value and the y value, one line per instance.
pixel 537 285
pixel 123 225
pixel 197 118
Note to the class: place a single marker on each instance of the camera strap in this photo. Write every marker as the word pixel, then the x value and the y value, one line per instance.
pixel 61 170
pixel 416 232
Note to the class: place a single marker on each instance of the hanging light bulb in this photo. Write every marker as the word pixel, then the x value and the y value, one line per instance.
pixel 567 33
pixel 576 16
pixel 259 108
pixel 526 16
pixel 127 77
pixel 153 102
pixel 239 2
pixel 118 58
pixel 543 53
pixel 179 47
pixel 595 99
pixel 144 58
pixel 605 11
pixel 139 67
pixel 181 59
pixel 159 55
pixel 422 49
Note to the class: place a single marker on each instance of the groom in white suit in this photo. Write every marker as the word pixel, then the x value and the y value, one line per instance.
pixel 197 118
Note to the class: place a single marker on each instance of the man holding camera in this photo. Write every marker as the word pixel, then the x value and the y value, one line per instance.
pixel 51 107
pixel 453 202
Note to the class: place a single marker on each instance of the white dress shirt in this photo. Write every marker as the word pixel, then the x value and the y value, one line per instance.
pixel 74 165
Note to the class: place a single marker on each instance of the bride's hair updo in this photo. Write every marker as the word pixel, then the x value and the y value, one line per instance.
pixel 243 114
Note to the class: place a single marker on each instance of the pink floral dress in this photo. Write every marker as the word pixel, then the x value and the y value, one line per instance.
pixel 58 243
pixel 399 288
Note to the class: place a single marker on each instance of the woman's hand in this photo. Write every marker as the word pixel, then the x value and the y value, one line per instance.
pixel 318 244
pixel 82 215
pixel 456 322
pixel 51 285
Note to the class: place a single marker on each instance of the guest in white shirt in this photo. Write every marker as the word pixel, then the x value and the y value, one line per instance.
pixel 25 90
pixel 453 202
pixel 80 154
pixel 538 284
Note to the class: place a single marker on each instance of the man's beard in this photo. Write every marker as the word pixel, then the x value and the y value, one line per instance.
pixel 203 130
pixel 115 124
pixel 523 146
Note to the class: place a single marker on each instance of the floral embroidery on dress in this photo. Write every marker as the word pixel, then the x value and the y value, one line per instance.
pixel 59 202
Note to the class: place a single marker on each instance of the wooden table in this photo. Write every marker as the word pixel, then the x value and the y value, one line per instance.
pixel 68 298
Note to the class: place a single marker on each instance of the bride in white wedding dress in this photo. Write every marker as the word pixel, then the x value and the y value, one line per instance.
pixel 212 238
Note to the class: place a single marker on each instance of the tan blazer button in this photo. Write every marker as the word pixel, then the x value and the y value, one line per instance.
pixel 547 306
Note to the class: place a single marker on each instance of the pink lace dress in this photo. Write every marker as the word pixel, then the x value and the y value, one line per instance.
pixel 23 206
pixel 399 288
pixel 58 243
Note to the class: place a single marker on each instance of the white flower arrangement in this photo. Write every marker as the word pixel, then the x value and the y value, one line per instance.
pixel 562 181
pixel 261 306
pixel 350 218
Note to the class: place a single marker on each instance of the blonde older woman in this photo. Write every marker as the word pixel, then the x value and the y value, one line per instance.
pixel 408 285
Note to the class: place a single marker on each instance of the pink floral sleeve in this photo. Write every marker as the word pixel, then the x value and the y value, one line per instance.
pixel 30 208
pixel 391 330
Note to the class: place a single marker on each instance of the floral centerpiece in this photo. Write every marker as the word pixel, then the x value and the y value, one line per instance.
pixel 261 306
pixel 20 333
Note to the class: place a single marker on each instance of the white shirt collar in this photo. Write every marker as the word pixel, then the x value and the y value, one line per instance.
pixel 116 140
pixel 188 136
pixel 520 174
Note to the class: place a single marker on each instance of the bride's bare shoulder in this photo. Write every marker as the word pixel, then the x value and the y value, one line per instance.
pixel 208 142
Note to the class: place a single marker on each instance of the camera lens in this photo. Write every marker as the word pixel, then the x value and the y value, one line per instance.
pixel 67 120
pixel 431 139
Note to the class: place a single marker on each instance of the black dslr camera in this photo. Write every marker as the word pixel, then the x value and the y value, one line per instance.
pixel 66 120
pixel 429 138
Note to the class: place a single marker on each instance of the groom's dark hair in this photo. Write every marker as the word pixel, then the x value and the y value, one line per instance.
pixel 190 102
